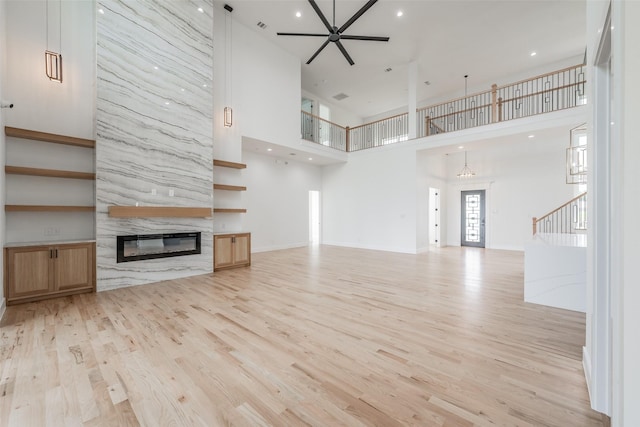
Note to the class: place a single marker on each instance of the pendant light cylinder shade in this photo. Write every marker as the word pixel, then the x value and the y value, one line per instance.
pixel 53 65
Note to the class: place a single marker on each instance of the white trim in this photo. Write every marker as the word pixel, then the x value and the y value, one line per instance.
pixel 278 247
pixel 395 249
pixel 586 366
pixel 3 308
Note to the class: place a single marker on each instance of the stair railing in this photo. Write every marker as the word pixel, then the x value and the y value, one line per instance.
pixel 570 218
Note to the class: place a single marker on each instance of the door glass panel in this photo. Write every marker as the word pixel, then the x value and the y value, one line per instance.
pixel 473 221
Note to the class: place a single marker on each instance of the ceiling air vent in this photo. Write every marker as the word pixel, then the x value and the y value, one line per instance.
pixel 261 25
pixel 340 96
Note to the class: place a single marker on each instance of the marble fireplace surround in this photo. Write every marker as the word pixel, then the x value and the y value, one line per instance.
pixel 154 145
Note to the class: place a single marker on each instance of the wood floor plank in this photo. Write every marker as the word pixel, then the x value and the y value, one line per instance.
pixel 316 336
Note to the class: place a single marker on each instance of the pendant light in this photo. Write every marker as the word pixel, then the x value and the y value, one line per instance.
pixel 53 60
pixel 228 111
pixel 466 171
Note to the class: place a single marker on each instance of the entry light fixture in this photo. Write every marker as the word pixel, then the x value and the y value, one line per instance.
pixel 466 171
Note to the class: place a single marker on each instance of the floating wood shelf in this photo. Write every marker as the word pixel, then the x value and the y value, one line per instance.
pixel 225 164
pixel 227 210
pixel 19 170
pixel 49 137
pixel 229 187
pixel 158 212
pixel 48 208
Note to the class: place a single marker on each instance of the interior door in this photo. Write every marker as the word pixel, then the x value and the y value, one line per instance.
pixel 472 219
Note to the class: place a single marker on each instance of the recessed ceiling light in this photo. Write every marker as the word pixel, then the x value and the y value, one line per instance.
pixel 461 147
pixel 155 68
pixel 310 158
pixel 531 136
pixel 298 14
pixel 201 10
pixel 101 11
pixel 166 103
pixel 400 13
pixel 269 149
pixel 534 53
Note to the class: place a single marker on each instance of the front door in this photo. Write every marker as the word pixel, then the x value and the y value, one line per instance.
pixel 472 224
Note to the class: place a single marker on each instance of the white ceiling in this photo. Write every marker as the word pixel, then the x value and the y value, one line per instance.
pixel 486 39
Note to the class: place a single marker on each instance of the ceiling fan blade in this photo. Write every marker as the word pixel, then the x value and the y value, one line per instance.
pixel 344 52
pixel 318 51
pixel 357 15
pixel 321 15
pixel 302 34
pixel 372 38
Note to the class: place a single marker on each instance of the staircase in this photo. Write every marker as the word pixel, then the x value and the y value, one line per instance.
pixel 570 218
pixel 555 261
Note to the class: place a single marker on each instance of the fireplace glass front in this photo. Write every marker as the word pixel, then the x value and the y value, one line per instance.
pixel 148 246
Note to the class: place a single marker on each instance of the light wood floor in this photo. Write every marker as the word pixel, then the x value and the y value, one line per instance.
pixel 323 337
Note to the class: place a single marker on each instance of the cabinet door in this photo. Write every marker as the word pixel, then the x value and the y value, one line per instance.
pixel 74 266
pixel 222 251
pixel 29 271
pixel 242 249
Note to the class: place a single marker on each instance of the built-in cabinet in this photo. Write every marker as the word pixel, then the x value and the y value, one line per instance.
pixel 48 270
pixel 231 250
pixel 50 194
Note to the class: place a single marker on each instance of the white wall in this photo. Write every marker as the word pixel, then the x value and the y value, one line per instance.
pixel 66 108
pixel 266 89
pixel 3 48
pixel 40 104
pixel 277 199
pixel 370 202
pixel 522 178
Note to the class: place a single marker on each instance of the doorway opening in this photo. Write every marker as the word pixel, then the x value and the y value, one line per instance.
pixel 314 217
pixel 472 222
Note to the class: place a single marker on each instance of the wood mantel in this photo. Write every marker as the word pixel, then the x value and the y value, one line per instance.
pixel 159 212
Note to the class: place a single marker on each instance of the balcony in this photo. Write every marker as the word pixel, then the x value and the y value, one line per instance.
pixel 546 93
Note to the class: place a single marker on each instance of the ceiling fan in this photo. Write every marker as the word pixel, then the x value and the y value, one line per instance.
pixel 335 33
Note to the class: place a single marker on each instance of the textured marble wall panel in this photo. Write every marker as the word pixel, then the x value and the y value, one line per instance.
pixel 154 129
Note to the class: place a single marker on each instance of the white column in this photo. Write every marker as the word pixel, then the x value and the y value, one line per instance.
pixel 411 95
pixel 625 36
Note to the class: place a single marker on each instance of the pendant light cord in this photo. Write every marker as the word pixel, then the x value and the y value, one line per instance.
pixel 59 27
pixel 47 22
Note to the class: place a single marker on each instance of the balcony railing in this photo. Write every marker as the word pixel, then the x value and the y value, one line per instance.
pixel 549 92
pixel 323 132
pixel 382 132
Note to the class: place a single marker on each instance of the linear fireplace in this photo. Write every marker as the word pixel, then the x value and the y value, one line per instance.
pixel 148 246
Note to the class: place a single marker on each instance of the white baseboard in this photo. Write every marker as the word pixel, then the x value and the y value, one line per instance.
pixel 371 247
pixel 278 247
pixel 3 307
pixel 586 366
